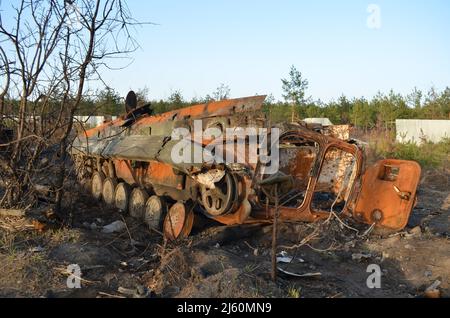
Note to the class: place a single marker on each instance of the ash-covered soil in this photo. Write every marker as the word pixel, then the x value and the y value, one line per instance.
pixel 219 261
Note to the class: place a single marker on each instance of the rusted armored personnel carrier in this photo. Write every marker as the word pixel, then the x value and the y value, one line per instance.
pixel 132 163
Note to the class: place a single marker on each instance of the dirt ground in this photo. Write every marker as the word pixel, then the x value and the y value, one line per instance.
pixel 217 261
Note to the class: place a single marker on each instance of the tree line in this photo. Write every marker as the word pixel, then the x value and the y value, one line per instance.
pixel 381 111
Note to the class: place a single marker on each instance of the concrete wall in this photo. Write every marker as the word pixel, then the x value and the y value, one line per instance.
pixel 414 130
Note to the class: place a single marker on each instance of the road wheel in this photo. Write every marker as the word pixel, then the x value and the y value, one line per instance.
pixel 178 222
pixel 122 196
pixel 97 185
pixel 138 199
pixel 218 201
pixel 109 189
pixel 155 210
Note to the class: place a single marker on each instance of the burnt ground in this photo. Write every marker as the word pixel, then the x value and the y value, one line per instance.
pixel 217 261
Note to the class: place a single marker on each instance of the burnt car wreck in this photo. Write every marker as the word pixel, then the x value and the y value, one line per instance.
pixel 129 163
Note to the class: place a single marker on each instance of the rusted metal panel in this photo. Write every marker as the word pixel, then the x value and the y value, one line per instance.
pixel 388 193
pixel 305 211
pixel 213 109
pixel 338 131
pixel 338 173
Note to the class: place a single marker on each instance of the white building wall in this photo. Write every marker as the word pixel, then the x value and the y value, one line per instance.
pixel 415 130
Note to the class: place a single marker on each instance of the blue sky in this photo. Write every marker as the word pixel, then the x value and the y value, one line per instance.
pixel 250 45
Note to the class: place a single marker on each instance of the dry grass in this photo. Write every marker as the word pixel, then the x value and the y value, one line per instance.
pixel 382 144
pixel 27 270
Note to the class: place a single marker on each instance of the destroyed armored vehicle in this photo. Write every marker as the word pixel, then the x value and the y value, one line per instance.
pixel 133 163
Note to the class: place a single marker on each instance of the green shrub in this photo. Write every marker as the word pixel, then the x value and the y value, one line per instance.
pixel 427 154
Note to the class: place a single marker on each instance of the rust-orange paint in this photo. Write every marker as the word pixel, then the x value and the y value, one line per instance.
pixel 379 202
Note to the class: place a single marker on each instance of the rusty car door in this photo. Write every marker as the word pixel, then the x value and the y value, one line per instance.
pixel 388 193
